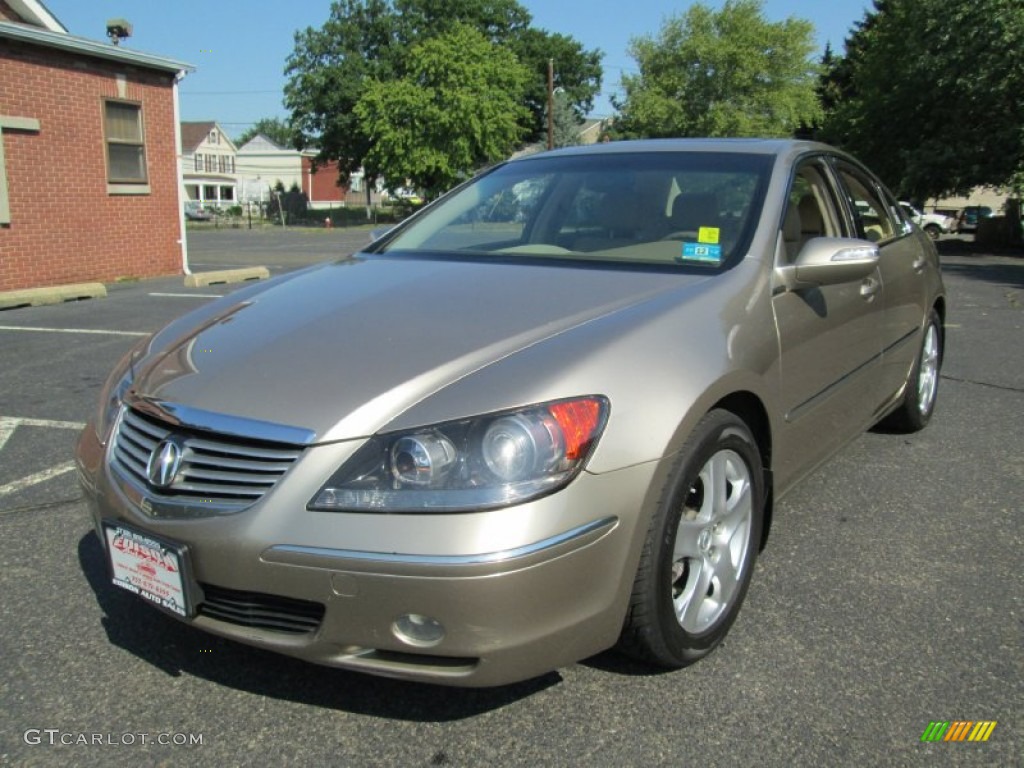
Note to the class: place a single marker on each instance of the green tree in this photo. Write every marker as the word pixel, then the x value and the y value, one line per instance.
pixel 506 22
pixel 933 94
pixel 577 75
pixel 293 203
pixel 565 123
pixel 328 73
pixel 364 42
pixel 721 73
pixel 457 108
pixel 274 128
pixel 497 20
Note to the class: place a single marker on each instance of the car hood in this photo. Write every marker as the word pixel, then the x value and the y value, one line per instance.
pixel 342 349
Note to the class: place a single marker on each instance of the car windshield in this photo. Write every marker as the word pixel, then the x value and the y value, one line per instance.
pixel 675 209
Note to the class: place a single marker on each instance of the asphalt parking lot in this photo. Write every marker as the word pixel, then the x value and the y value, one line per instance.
pixel 277 250
pixel 890 595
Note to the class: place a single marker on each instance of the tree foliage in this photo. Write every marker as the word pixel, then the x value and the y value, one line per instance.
pixel 293 202
pixel 497 20
pixel 565 123
pixel 330 69
pixel 930 93
pixel 456 108
pixel 721 73
pixel 577 75
pixel 365 44
pixel 274 128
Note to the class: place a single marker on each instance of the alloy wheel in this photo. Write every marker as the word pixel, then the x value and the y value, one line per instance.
pixel 928 372
pixel 712 543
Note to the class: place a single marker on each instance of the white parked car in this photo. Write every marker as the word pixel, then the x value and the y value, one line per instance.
pixel 933 224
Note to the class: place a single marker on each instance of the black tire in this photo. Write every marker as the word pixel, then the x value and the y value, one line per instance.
pixel 665 583
pixel 918 405
pixel 933 231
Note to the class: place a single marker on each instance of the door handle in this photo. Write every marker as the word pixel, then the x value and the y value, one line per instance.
pixel 869 288
pixel 918 265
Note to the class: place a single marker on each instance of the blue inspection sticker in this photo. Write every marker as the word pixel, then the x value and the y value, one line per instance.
pixel 702 252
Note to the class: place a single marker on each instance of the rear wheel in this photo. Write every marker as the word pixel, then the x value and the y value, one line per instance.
pixel 701 547
pixel 918 404
pixel 933 231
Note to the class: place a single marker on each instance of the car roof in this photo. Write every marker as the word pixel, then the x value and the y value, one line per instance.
pixel 776 147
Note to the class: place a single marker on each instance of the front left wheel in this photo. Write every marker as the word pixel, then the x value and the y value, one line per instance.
pixel 701 547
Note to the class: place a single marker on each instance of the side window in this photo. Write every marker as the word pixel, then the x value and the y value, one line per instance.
pixel 810 209
pixel 873 219
pixel 125 140
pixel 901 216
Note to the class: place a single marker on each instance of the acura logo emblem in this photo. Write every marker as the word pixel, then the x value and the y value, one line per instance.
pixel 164 463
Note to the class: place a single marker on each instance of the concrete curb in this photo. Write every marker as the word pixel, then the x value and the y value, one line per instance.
pixel 51 294
pixel 201 279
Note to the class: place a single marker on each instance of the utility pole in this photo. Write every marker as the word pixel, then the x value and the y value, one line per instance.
pixel 551 103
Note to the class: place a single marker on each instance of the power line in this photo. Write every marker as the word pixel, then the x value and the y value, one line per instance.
pixel 183 92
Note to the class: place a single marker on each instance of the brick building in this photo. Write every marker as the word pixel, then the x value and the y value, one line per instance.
pixel 321 185
pixel 89 178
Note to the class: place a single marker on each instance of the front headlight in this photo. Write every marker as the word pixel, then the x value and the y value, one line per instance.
pixel 479 463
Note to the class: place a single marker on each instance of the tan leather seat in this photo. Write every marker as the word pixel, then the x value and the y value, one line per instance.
pixel 691 211
pixel 811 222
pixel 791 231
pixel 619 218
pixel 803 221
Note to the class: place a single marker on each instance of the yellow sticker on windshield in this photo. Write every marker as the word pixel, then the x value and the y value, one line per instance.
pixel 708 235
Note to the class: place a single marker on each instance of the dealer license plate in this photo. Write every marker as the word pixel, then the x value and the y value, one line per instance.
pixel 150 567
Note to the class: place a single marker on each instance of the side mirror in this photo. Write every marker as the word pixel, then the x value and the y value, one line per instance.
pixel 378 233
pixel 829 261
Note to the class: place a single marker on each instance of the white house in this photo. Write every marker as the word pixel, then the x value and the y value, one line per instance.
pixel 209 170
pixel 262 163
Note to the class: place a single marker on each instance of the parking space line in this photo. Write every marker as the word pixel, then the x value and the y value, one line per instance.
pixel 6 430
pixel 16 421
pixel 190 295
pixel 7 426
pixel 73 330
pixel 38 477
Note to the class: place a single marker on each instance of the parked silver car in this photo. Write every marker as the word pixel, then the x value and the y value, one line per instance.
pixel 194 211
pixel 549 414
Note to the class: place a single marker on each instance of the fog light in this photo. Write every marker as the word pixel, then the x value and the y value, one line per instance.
pixel 416 629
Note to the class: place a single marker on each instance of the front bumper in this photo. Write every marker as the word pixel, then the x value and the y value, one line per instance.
pixel 518 591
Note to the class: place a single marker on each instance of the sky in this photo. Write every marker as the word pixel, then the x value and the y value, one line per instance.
pixel 239 47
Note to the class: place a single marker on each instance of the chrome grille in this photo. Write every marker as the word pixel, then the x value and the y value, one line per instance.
pixel 216 473
pixel 255 609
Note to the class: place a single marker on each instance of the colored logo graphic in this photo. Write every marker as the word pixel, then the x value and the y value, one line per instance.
pixel 958 730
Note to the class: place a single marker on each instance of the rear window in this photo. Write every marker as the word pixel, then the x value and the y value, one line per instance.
pixel 676 209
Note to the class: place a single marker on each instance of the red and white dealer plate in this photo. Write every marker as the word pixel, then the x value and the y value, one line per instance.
pixel 152 568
